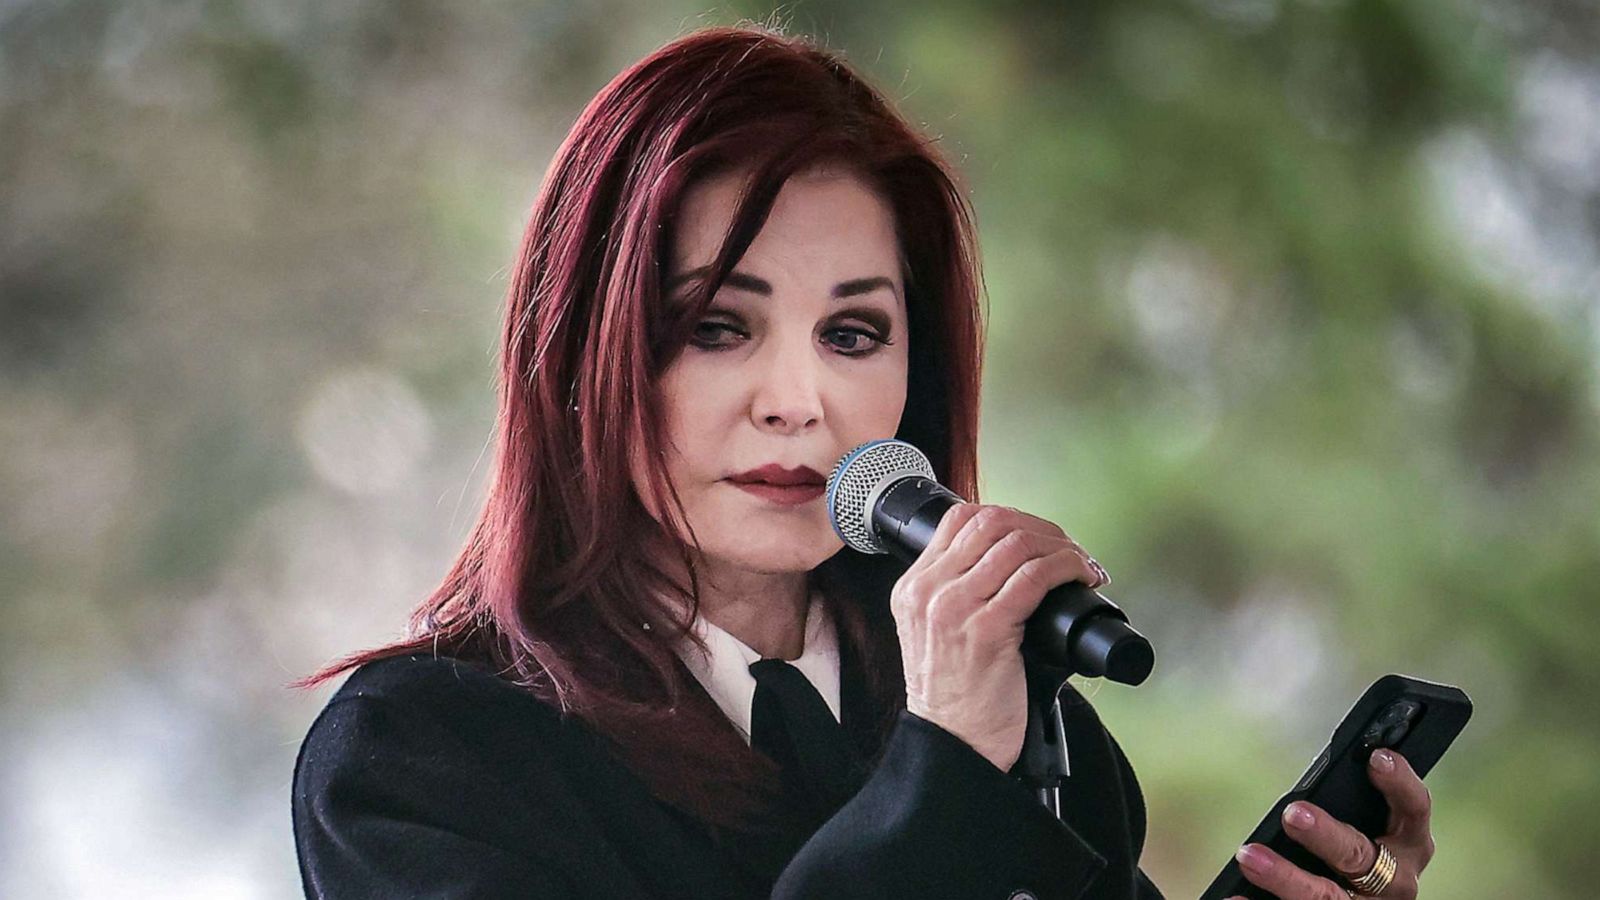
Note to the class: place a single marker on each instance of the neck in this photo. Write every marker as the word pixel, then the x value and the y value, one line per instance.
pixel 766 611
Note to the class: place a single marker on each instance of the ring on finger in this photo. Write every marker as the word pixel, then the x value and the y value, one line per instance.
pixel 1380 876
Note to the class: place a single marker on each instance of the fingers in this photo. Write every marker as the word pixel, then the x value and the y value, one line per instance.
pixel 1027 585
pixel 975 527
pixel 1351 853
pixel 915 589
pixel 1343 848
pixel 1410 805
pixel 1347 850
pixel 1043 526
pixel 1271 872
pixel 987 526
pixel 950 524
pixel 1030 564
pixel 983 555
pixel 1047 527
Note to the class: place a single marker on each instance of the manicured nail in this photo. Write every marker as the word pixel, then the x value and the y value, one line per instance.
pixel 1105 577
pixel 1383 760
pixel 1254 858
pixel 1298 816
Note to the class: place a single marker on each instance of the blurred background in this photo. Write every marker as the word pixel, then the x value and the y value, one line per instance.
pixel 1294 322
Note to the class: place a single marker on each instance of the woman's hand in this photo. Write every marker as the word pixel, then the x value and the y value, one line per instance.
pixel 1346 850
pixel 960 610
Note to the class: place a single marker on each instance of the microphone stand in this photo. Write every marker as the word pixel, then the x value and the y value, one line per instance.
pixel 1043 763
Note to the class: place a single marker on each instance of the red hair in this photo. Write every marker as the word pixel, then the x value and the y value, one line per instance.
pixel 554 584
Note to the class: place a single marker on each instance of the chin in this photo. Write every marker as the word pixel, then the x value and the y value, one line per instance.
pixel 778 557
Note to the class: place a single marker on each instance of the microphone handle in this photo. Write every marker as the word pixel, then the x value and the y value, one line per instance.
pixel 1074 627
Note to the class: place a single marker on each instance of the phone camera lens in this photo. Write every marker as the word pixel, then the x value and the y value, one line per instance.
pixel 1395 723
pixel 1388 728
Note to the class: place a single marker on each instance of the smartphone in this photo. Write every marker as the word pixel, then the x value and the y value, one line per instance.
pixel 1415 718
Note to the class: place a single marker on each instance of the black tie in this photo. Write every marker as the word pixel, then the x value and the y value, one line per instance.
pixel 792 725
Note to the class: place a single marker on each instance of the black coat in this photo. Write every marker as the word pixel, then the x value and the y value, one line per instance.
pixel 431 777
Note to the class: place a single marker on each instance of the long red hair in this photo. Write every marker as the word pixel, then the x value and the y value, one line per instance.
pixel 554 586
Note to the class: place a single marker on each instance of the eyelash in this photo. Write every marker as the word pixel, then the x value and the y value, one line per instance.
pixel 878 342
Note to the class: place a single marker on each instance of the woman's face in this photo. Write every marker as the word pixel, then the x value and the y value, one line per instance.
pixel 801 356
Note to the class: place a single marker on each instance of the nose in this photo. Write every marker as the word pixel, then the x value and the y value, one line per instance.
pixel 788 397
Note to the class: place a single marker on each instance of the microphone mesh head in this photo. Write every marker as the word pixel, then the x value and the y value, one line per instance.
pixel 859 478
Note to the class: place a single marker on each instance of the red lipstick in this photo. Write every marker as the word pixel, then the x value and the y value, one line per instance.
pixel 776 484
pixel 772 473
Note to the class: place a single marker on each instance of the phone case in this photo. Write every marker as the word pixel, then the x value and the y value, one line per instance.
pixel 1418 719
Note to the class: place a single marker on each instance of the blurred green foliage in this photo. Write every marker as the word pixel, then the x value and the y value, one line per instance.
pixel 1294 321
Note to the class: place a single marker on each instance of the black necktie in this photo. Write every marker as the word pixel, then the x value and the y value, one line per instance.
pixel 791 724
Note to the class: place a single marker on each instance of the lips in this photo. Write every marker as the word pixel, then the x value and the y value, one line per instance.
pixel 782 494
pixel 777 484
pixel 774 474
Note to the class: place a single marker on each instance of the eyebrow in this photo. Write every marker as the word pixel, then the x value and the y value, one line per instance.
pixel 744 281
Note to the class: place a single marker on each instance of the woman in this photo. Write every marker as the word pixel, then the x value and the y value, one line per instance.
pixel 741 265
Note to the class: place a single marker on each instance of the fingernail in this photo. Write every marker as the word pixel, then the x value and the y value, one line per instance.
pixel 1383 760
pixel 1105 577
pixel 1299 816
pixel 1253 858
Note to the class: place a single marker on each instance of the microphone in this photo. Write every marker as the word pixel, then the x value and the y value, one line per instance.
pixel 883 497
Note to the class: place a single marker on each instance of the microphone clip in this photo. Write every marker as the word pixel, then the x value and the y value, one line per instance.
pixel 1044 762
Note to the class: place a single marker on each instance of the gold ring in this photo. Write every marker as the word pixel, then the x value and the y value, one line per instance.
pixel 1380 876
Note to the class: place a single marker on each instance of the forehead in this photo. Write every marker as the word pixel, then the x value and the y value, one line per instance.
pixel 823 220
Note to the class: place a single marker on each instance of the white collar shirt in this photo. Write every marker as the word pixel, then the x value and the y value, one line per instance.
pixel 725 670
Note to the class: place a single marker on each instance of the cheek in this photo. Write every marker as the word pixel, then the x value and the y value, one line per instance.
pixel 695 403
pixel 699 410
pixel 678 432
pixel 877 401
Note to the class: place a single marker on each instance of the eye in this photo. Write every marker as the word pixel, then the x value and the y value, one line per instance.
pixel 847 341
pixel 705 335
pixel 859 341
